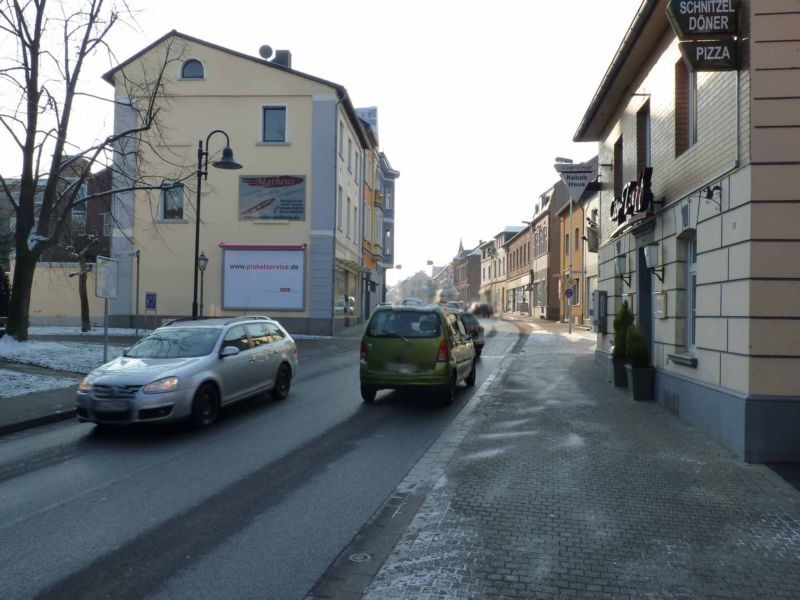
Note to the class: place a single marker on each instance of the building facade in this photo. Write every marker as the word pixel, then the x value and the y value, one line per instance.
pixel 518 273
pixel 285 235
pixel 467 274
pixel 546 252
pixel 698 214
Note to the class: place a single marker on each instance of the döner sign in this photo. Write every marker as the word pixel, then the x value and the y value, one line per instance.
pixel 693 19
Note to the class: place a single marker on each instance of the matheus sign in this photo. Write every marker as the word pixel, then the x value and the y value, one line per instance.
pixel 710 55
pixel 693 19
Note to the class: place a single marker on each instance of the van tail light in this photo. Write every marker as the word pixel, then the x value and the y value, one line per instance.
pixel 363 351
pixel 442 356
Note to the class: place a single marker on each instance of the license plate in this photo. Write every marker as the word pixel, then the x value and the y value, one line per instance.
pixel 111 405
pixel 401 368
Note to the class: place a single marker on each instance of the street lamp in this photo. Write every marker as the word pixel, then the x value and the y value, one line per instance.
pixel 202 261
pixel 226 162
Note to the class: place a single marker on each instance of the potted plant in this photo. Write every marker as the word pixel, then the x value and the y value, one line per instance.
pixel 616 360
pixel 638 368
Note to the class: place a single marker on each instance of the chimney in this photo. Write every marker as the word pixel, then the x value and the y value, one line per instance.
pixel 283 58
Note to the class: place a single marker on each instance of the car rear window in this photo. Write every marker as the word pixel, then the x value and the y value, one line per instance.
pixel 407 324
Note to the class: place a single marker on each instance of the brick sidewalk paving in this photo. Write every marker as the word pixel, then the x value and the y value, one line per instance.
pixel 565 487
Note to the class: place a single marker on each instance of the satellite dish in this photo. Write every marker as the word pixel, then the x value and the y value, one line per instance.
pixel 265 52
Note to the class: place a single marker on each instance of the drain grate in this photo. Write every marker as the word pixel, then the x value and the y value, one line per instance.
pixel 360 557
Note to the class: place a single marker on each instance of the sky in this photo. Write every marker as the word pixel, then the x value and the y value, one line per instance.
pixel 475 99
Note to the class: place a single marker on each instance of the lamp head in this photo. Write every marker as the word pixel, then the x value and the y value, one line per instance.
pixel 226 162
pixel 202 261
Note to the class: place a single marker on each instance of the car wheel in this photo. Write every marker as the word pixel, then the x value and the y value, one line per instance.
pixel 205 406
pixel 470 380
pixel 368 393
pixel 283 383
pixel 449 391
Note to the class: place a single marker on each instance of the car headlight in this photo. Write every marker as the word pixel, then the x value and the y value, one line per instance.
pixel 85 385
pixel 162 385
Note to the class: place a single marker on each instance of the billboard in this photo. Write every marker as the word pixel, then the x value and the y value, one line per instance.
pixel 263 278
pixel 272 198
pixel 107 279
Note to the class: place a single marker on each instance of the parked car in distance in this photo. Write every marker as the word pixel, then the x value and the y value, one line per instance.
pixel 412 302
pixel 481 309
pixel 475 331
pixel 189 370
pixel 416 347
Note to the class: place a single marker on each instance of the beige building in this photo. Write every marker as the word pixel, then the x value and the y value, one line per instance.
pixel 493 269
pixel 283 235
pixel 698 218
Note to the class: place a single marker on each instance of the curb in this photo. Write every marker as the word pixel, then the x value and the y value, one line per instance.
pixel 64 415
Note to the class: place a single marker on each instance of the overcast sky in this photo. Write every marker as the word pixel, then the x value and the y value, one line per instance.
pixel 474 99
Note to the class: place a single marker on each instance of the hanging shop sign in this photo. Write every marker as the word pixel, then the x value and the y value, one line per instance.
pixel 699 19
pixel 637 198
pixel 710 55
pixel 272 198
pixel 577 176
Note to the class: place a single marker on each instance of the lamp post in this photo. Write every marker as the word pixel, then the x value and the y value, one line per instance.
pixel 226 162
pixel 202 261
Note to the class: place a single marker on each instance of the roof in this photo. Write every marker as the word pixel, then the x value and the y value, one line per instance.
pixel 647 27
pixel 341 91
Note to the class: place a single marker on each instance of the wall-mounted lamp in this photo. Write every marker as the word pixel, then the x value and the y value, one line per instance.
pixel 652 259
pixel 621 268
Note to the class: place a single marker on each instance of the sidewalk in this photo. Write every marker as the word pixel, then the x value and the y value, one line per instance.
pixel 564 487
pixel 40 408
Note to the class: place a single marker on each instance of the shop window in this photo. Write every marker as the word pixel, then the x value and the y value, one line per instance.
pixel 691 293
pixel 273 124
pixel 192 69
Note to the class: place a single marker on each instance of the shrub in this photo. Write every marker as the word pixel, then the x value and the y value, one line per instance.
pixel 622 322
pixel 638 351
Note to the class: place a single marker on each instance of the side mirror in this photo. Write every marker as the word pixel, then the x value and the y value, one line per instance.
pixel 228 351
pixel 473 334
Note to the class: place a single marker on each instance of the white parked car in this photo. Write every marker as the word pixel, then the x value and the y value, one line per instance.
pixel 190 369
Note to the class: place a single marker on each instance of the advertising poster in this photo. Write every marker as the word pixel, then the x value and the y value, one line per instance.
pixel 272 198
pixel 263 279
pixel 107 278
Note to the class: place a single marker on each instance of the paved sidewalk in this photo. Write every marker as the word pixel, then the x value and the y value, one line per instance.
pixel 40 408
pixel 565 487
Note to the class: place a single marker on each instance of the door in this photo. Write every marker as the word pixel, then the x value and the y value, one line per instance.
pixel 237 373
pixel 264 355
pixel 463 351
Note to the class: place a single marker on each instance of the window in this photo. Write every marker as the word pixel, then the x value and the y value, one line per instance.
pixel 577 238
pixel 566 244
pixel 691 293
pixel 643 141
pixel 348 216
pixel 349 155
pixel 341 138
pixel 358 161
pixel 356 233
pixel 108 224
pixel 576 292
pixel 172 203
pixel 339 209
pixel 192 69
pixel 237 338
pixel 618 183
pixel 685 108
pixel 273 124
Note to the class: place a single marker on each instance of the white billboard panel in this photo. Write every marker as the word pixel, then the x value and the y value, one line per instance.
pixel 106 281
pixel 263 279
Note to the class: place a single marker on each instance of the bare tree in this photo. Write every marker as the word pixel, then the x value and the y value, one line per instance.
pixel 38 89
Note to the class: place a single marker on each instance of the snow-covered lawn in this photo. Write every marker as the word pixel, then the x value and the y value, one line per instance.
pixel 77 331
pixel 13 383
pixel 79 357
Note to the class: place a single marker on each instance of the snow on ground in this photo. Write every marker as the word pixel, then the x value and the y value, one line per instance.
pixel 79 357
pixel 77 331
pixel 13 383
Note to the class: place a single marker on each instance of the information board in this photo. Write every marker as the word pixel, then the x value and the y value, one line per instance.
pixel 263 279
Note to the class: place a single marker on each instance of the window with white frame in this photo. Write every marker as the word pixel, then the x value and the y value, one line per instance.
pixel 339 214
pixel 349 203
pixel 691 293
pixel 350 155
pixel 273 124
pixel 171 204
pixel 355 221
pixel 192 69
pixel 341 138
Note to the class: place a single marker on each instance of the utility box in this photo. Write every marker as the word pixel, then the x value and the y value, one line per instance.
pixel 599 311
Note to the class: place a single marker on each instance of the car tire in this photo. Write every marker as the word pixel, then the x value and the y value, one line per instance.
pixel 205 406
pixel 368 393
pixel 449 391
pixel 470 380
pixel 283 383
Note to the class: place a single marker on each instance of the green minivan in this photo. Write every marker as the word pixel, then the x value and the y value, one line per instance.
pixel 416 347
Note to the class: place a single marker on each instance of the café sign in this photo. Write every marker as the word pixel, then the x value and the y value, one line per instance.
pixel 693 19
pixel 637 198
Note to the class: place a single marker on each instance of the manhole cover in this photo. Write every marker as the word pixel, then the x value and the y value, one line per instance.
pixel 360 557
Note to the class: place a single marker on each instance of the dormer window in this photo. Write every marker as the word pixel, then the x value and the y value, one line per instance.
pixel 192 69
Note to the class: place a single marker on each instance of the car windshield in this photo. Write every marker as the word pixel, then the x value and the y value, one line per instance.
pixel 469 320
pixel 405 324
pixel 184 342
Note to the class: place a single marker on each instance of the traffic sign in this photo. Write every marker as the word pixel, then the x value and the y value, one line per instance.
pixel 150 301
pixel 577 176
pixel 569 292
pixel 570 282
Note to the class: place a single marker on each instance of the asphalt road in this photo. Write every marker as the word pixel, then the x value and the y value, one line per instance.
pixel 257 506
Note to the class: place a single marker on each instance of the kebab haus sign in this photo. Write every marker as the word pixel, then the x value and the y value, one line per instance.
pixel 707 30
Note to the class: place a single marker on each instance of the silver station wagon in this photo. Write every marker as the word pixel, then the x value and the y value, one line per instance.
pixel 189 370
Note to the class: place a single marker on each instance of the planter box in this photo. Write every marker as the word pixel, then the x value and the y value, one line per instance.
pixel 640 382
pixel 616 371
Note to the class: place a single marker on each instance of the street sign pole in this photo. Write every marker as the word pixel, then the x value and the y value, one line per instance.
pixel 569 299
